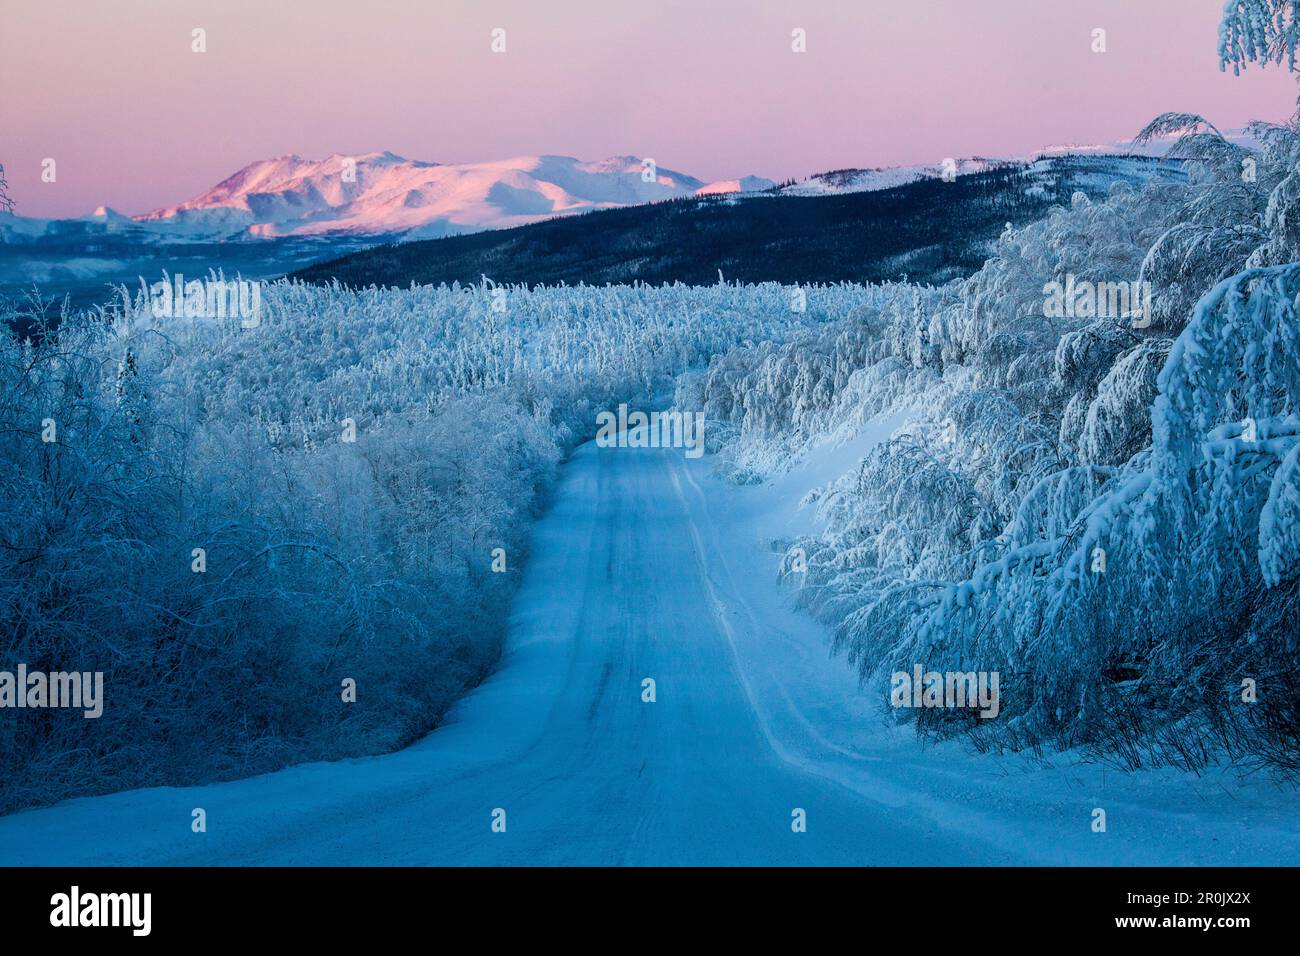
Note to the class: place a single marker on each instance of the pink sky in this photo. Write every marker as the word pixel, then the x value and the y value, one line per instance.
pixel 135 120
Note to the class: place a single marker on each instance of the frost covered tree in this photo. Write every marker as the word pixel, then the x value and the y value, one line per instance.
pixel 1100 509
pixel 1260 31
pixel 6 204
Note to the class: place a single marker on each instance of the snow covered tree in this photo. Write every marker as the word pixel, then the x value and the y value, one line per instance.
pixel 1260 31
pixel 6 204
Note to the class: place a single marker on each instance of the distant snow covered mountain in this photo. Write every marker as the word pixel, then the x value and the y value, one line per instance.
pixel 1156 146
pixel 387 196
pixel 839 181
pixel 1122 158
pixel 383 194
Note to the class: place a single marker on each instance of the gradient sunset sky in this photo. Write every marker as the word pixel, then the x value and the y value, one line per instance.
pixel 135 120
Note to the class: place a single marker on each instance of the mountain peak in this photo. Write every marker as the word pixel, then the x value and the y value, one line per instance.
pixel 389 194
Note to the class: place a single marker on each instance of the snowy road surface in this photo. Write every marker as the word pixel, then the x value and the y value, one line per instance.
pixel 647 567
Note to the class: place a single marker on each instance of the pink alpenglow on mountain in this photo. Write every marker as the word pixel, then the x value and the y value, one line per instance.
pixel 382 193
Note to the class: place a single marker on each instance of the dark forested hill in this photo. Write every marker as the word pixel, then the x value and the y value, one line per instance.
pixel 929 230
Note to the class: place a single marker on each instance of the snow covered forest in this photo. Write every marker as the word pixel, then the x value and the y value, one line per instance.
pixel 1102 508
pixel 323 558
pixel 232 522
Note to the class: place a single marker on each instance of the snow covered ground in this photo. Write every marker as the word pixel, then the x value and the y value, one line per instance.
pixel 649 567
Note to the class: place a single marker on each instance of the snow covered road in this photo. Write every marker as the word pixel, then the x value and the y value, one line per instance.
pixel 646 567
